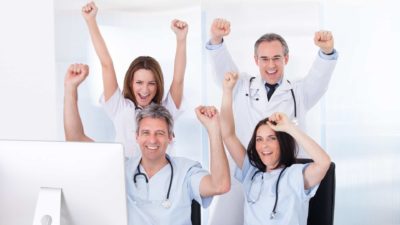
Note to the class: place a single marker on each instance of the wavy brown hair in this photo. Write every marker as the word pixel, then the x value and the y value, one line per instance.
pixel 147 63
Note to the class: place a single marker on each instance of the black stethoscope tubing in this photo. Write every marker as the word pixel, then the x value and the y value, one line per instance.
pixel 139 173
pixel 276 189
pixel 291 90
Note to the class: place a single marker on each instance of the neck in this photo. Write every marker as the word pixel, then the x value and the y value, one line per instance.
pixel 271 168
pixel 153 166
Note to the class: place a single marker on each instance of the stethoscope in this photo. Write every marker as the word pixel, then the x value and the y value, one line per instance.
pixel 166 203
pixel 294 120
pixel 273 213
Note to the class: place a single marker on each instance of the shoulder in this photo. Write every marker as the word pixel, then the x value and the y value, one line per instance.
pixel 131 163
pixel 294 174
pixel 184 163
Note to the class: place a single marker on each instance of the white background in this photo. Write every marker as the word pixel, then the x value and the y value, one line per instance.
pixel 356 122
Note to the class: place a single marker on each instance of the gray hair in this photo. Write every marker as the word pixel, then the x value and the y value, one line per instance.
pixel 272 37
pixel 156 111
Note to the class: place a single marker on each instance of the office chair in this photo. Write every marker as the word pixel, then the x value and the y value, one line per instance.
pixel 322 205
pixel 196 213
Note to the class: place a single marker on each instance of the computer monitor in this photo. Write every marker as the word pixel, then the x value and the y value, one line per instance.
pixel 87 178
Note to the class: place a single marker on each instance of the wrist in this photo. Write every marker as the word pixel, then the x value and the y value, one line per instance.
pixel 328 52
pixel 70 88
pixel 181 39
pixel 216 40
pixel 90 20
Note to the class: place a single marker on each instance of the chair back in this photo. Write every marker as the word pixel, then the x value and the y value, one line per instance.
pixel 196 213
pixel 322 205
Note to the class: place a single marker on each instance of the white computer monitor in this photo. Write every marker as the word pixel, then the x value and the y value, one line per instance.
pixel 90 176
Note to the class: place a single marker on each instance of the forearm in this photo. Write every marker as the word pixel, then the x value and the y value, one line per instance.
pixel 221 62
pixel 313 149
pixel 219 167
pixel 232 143
pixel 72 122
pixel 227 119
pixel 316 83
pixel 108 72
pixel 177 85
pixel 99 43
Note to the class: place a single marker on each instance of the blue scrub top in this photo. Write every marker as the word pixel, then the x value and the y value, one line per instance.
pixel 292 206
pixel 145 200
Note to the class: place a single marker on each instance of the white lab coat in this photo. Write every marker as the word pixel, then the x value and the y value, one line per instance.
pixel 248 111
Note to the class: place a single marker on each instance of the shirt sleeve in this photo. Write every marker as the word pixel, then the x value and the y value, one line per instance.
pixel 296 180
pixel 116 104
pixel 169 104
pixel 210 46
pixel 333 56
pixel 241 174
pixel 195 175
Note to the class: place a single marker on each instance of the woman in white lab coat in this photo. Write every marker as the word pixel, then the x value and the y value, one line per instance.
pixel 277 191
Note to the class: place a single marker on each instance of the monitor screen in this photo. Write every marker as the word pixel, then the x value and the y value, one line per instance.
pixel 90 176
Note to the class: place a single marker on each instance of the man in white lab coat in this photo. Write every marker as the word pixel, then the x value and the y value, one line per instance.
pixel 258 96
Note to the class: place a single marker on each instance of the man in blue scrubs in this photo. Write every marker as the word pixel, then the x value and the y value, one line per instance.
pixel 161 187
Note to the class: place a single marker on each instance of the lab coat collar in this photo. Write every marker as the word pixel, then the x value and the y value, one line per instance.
pixel 258 83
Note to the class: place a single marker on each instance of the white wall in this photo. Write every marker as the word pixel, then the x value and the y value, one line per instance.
pixel 357 126
pixel 27 70
pixel 362 108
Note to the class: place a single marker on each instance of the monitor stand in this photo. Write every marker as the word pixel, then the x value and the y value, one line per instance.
pixel 48 207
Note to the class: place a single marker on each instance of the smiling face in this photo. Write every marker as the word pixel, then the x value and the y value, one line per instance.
pixel 153 138
pixel 144 82
pixel 267 147
pixel 271 60
pixel 144 87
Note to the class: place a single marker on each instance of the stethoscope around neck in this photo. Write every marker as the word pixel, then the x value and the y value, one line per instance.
pixel 166 202
pixel 273 213
pixel 294 120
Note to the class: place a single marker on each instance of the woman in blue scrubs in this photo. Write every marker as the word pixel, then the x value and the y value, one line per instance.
pixel 277 191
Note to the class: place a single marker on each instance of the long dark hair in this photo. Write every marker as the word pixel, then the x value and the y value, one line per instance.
pixel 287 145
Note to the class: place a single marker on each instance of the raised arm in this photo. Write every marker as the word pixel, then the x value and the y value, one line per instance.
pixel 180 29
pixel 89 12
pixel 220 57
pixel 73 128
pixel 316 171
pixel 231 141
pixel 317 81
pixel 219 181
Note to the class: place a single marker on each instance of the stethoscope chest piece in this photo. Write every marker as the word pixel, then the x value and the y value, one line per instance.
pixel 166 204
pixel 295 121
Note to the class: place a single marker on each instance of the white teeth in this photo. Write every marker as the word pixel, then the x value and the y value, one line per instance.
pixel 271 71
pixel 266 153
pixel 143 96
pixel 152 147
